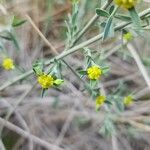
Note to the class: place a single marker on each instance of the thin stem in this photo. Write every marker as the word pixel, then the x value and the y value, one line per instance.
pixel 51 46
pixel 74 72
pixel 14 107
pixel 27 135
pixel 72 50
pixel 41 35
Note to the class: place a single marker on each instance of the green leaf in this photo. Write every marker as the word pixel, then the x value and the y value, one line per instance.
pixel 119 104
pixel 38 67
pixel 103 24
pixel 123 17
pixel 10 37
pixel 88 88
pixel 56 68
pixel 95 93
pixel 5 37
pixel 111 9
pixel 108 102
pixel 82 72
pixel 102 13
pixel 135 19
pixel 108 129
pixel 93 83
pixel 17 22
pixel 109 29
pixel 105 69
pixel 58 81
pixel 14 40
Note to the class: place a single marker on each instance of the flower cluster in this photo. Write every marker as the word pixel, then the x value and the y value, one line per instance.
pixel 100 101
pixel 45 81
pixel 126 3
pixel 128 100
pixel 94 72
pixel 8 64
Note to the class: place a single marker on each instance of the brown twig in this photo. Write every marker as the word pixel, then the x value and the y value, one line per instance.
pixel 25 134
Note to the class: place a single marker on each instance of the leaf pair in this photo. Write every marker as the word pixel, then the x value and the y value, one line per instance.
pixel 109 27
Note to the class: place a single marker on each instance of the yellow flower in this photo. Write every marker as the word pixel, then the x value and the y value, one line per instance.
pixel 128 36
pixel 94 72
pixel 100 101
pixel 45 81
pixel 128 100
pixel 8 64
pixel 126 3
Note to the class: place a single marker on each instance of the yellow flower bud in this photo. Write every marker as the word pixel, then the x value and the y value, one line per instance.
pixel 8 64
pixel 128 100
pixel 128 36
pixel 100 101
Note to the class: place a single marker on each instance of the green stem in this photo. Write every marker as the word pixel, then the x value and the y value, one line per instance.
pixel 72 50
pixel 73 71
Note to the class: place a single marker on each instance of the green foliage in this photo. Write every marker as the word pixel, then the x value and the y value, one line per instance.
pixel 123 17
pixel 108 129
pixel 58 82
pixel 109 27
pixel 17 22
pixel 72 25
pixel 82 122
pixel 10 36
pixel 136 20
pixel 101 12
pixel 38 67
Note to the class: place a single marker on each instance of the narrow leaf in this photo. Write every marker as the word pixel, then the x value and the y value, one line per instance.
pixel 102 13
pixel 38 67
pixel 14 40
pixel 123 17
pixel 108 28
pixel 17 22
pixel 136 19
pixel 82 72
pixel 111 9
pixel 58 81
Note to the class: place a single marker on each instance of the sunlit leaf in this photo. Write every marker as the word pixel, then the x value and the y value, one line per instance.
pixel 101 12
pixel 17 22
